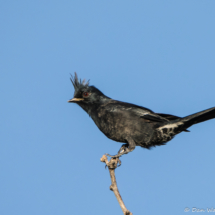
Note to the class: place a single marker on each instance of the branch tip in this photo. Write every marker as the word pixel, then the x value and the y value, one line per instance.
pixel 104 159
pixel 112 165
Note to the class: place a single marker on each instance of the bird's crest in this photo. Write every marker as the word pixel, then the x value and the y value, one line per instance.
pixel 78 83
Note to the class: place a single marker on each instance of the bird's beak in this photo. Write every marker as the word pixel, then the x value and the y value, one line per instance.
pixel 76 100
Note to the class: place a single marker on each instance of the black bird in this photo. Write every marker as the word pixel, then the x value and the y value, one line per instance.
pixel 131 124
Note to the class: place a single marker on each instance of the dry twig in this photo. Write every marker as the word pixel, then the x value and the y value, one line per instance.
pixel 112 165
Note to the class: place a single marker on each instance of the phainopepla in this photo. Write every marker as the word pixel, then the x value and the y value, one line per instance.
pixel 131 124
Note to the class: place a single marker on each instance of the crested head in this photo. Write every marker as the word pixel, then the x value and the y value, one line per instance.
pixel 85 93
pixel 78 84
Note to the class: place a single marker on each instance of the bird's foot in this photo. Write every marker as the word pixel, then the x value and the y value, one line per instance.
pixel 120 153
pixel 113 156
pixel 123 150
pixel 117 160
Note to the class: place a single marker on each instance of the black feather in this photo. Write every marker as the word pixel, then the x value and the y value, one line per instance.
pixel 132 124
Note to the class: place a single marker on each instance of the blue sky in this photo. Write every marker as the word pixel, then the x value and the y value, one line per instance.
pixel 157 54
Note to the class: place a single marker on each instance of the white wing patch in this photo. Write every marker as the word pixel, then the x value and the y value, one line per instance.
pixel 172 125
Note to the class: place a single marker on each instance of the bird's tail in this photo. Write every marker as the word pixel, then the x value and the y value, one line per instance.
pixel 198 117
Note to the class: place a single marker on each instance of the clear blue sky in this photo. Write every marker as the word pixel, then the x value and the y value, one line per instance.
pixel 157 54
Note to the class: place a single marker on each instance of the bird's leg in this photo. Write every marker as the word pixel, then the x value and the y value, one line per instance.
pixel 125 149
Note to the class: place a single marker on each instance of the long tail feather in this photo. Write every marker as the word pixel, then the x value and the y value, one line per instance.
pixel 199 117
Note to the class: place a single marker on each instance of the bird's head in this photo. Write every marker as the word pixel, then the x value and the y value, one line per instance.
pixel 85 94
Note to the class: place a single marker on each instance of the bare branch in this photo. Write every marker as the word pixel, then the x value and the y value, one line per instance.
pixel 112 165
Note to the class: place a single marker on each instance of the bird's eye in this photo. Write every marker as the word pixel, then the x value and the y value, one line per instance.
pixel 85 94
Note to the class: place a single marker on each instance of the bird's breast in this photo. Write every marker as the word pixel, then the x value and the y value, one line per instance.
pixel 112 125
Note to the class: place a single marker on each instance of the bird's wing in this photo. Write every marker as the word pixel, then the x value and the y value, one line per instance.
pixel 142 112
pixel 154 117
pixel 171 117
pixel 168 116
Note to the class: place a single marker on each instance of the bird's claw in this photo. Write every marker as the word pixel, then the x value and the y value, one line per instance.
pixel 119 162
pixel 115 157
